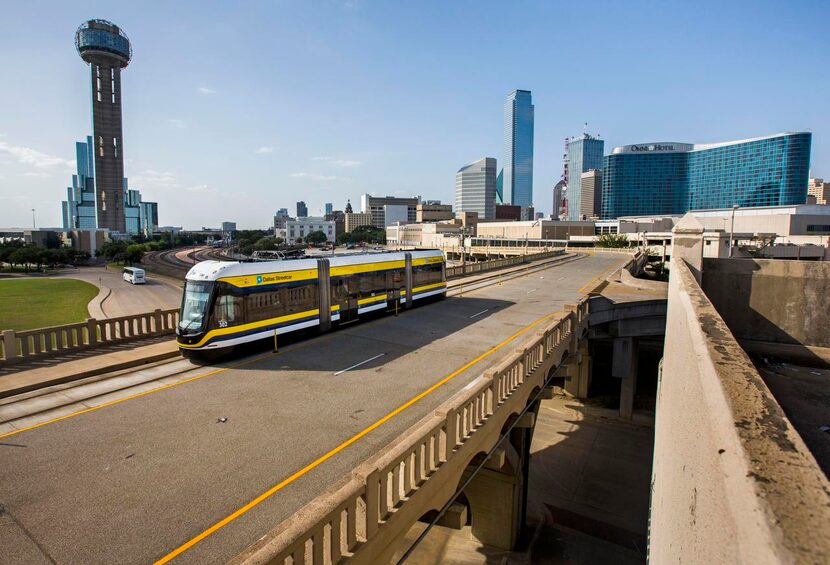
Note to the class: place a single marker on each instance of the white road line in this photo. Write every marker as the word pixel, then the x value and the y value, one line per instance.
pixel 359 364
pixel 561 278
pixel 532 290
pixel 480 313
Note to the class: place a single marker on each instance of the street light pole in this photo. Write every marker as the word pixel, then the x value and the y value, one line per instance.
pixel 732 231
pixel 34 225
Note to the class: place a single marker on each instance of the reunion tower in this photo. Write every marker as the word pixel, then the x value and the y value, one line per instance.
pixel 106 48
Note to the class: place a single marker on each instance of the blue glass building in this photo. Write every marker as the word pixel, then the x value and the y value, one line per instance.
pixel 584 153
pixel 515 181
pixel 79 209
pixel 673 178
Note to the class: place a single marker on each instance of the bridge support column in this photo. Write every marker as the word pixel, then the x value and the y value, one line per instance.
pixel 498 493
pixel 624 367
pixel 578 372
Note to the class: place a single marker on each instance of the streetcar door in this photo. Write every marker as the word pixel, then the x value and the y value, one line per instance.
pixel 346 301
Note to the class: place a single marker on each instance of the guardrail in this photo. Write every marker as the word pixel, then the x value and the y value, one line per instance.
pixel 493 264
pixel 365 514
pixel 43 342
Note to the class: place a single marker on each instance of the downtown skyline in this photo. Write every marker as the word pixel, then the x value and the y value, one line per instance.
pixel 369 105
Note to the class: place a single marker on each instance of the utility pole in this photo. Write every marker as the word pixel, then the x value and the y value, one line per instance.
pixel 732 231
pixel 34 225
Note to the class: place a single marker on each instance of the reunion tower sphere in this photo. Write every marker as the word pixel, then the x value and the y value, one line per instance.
pixel 100 40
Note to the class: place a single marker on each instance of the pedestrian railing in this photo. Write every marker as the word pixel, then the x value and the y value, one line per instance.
pixel 365 513
pixel 43 342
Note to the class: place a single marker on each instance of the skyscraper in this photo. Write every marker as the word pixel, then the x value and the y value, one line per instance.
pixel 329 208
pixel 584 153
pixel 673 178
pixel 106 49
pixel 475 188
pixel 590 198
pixel 558 196
pixel 517 172
pixel 302 209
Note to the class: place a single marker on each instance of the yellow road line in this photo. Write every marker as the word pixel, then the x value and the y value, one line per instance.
pixel 323 458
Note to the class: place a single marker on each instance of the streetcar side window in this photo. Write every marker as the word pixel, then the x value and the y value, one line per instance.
pixel 301 298
pixel 427 274
pixel 264 305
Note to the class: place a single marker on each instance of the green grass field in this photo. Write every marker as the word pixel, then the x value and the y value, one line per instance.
pixel 26 304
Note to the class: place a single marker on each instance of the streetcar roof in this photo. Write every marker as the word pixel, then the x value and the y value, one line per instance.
pixel 213 270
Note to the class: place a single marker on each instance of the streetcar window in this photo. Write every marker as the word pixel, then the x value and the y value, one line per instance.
pixel 194 305
pixel 264 306
pixel 427 274
pixel 227 311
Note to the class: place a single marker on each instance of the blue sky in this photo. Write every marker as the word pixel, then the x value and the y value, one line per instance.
pixel 235 109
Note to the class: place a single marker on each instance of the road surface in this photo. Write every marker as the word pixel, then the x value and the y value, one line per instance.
pixel 120 298
pixel 150 478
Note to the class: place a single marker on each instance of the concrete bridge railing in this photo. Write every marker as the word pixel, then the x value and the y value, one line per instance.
pixel 494 264
pixel 732 481
pixel 365 516
pixel 56 340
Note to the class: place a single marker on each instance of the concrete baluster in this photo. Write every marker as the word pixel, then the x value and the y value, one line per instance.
pixel 9 345
pixel 373 497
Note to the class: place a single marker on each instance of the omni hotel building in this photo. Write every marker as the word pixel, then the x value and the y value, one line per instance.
pixel 673 178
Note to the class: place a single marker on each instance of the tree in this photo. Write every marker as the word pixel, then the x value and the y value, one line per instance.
pixel 316 237
pixel 612 240
pixel 134 253
pixel 26 256
pixel 267 243
pixel 112 250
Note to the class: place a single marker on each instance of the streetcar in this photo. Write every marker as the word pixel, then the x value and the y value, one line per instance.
pixel 228 303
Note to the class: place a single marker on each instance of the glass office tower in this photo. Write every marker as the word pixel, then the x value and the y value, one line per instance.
pixel 79 207
pixel 673 178
pixel 516 186
pixel 584 154
pixel 475 188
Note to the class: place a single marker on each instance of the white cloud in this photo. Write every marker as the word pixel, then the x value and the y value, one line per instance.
pixel 265 149
pixel 197 188
pixel 154 179
pixel 206 90
pixel 29 156
pixel 39 174
pixel 313 176
pixel 351 163
pixel 176 123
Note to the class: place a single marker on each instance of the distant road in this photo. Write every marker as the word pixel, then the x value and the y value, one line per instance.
pixel 120 298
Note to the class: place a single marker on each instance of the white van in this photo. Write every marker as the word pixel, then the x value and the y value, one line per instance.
pixel 133 275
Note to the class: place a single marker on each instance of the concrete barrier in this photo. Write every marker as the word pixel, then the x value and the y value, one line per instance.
pixel 495 264
pixel 56 340
pixel 732 481
pixel 771 300
pixel 364 517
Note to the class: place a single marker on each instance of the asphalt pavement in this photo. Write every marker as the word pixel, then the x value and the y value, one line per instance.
pixel 117 297
pixel 135 481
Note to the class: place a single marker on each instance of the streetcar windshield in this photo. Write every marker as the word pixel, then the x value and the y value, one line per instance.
pixel 194 305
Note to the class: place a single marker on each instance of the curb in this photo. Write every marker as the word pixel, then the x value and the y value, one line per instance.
pixel 91 373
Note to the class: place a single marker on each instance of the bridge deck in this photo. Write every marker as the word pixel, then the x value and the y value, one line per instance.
pixel 134 481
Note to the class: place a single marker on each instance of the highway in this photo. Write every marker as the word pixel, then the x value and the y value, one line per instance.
pixel 196 471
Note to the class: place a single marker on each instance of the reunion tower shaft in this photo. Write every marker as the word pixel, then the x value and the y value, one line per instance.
pixel 106 48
